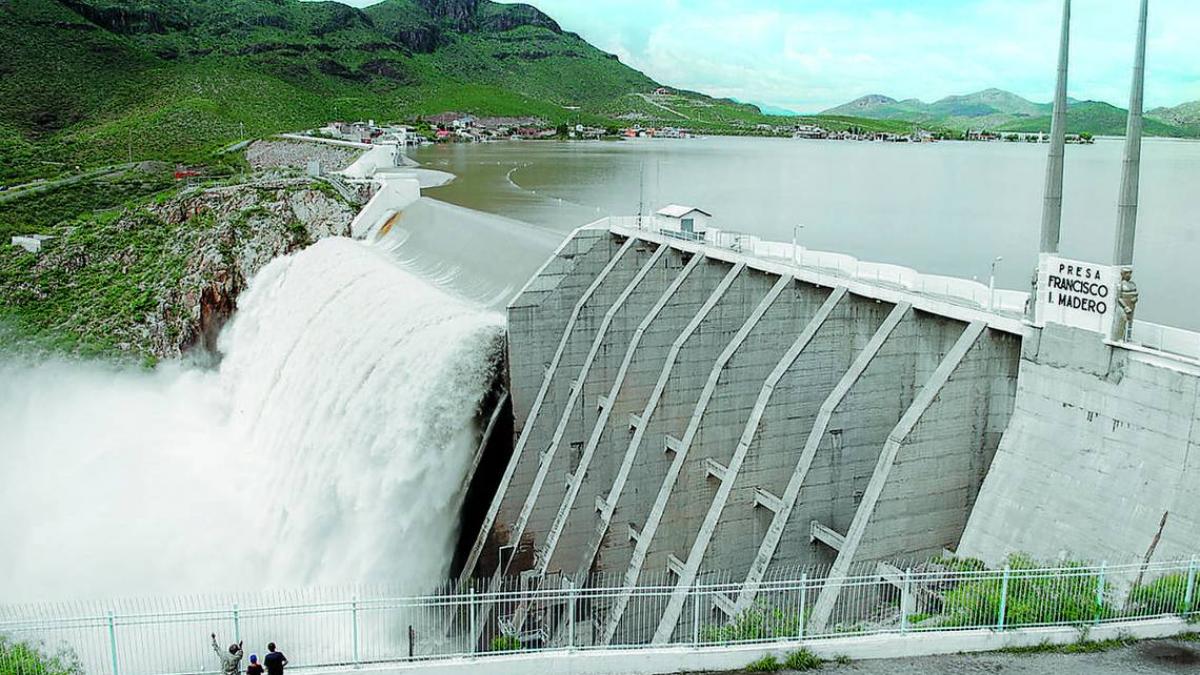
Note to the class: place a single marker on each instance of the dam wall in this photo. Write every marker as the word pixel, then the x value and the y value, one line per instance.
pixel 1103 452
pixel 680 409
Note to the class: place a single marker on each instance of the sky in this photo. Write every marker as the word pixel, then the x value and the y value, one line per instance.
pixel 809 55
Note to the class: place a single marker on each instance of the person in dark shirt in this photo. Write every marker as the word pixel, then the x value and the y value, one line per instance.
pixel 274 661
pixel 255 668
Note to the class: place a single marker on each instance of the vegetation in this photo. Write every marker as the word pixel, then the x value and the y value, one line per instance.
pixel 998 110
pixel 1081 646
pixel 504 643
pixel 767 664
pixel 1167 594
pixel 802 660
pixel 24 658
pixel 1066 598
pixel 755 623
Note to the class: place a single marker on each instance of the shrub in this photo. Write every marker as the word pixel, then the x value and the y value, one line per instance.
pixel 1165 595
pixel 803 660
pixel 767 664
pixel 842 659
pixel 756 623
pixel 504 643
pixel 1068 596
pixel 24 658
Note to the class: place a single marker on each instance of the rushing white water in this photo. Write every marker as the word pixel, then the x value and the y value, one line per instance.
pixel 329 447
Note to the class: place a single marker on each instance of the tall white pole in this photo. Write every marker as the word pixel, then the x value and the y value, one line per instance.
pixel 1052 206
pixel 1127 206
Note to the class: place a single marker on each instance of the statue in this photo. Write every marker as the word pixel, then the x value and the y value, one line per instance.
pixel 1031 301
pixel 1127 298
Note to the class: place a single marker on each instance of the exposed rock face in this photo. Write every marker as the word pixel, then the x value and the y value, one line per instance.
pixel 236 231
pixel 460 13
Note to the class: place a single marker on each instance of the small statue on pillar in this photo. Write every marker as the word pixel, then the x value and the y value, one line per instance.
pixel 1031 301
pixel 1127 299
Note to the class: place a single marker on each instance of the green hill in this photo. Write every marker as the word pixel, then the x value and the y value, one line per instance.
pixel 1097 118
pixel 999 110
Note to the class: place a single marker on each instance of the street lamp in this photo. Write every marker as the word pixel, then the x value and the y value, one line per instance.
pixel 796 257
pixel 992 283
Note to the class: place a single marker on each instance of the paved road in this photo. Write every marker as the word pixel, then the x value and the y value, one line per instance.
pixel 18 191
pixel 1151 657
pixel 656 104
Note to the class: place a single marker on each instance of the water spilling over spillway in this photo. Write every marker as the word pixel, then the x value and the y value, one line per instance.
pixel 329 447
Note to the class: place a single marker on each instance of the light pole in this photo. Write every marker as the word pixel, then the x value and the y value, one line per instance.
pixel 796 256
pixel 992 283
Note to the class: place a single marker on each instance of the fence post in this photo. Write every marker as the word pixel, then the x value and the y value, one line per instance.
pixel 1100 591
pixel 571 616
pixel 803 604
pixel 695 615
pixel 354 628
pixel 471 608
pixel 237 625
pixel 1003 597
pixel 905 598
pixel 1191 587
pixel 112 642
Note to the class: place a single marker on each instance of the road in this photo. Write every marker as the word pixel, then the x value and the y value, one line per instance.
pixel 1151 657
pixel 27 189
pixel 647 99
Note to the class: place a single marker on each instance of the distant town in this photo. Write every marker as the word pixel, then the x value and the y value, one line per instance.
pixel 452 127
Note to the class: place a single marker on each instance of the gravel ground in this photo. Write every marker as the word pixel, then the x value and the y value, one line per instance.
pixel 1144 658
pixel 296 155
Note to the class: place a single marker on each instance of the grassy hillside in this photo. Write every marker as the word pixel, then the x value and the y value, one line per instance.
pixel 92 82
pixel 1096 118
pixel 999 110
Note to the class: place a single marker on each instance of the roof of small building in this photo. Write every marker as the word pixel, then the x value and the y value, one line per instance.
pixel 679 211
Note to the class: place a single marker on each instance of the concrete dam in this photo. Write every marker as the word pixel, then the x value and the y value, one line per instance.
pixel 684 412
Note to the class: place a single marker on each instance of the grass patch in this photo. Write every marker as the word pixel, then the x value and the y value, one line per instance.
pixel 760 622
pixel 24 658
pixel 767 664
pixel 1068 597
pixel 1081 646
pixel 504 643
pixel 802 660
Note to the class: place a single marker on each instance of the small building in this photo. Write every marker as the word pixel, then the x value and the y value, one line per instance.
pixel 31 243
pixel 689 221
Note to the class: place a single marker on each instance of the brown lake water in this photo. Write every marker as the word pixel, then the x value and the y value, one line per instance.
pixel 944 208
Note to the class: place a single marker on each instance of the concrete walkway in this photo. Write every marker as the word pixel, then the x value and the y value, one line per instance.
pixel 1145 658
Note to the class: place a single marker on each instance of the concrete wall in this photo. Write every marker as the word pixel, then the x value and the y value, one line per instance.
pixel 685 400
pixel 1103 441
pixel 685 414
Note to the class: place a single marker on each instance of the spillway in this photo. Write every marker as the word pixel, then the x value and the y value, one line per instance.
pixel 336 435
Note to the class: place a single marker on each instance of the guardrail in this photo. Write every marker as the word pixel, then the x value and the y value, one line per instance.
pixel 351 627
pixel 965 292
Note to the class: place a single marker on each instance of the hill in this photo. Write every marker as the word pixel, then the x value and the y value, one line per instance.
pixel 1184 114
pixel 1097 118
pixel 175 79
pixel 999 110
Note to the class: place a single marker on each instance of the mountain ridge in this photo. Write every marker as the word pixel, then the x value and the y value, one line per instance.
pixel 996 109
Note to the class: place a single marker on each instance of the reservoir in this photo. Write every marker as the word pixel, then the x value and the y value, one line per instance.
pixel 943 208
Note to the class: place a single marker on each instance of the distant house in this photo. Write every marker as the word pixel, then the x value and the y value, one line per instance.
pixel 662 91
pixel 689 221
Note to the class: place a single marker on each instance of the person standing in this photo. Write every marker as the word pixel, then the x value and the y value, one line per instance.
pixel 274 660
pixel 255 668
pixel 231 660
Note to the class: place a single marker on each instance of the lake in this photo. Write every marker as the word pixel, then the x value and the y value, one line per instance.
pixel 944 208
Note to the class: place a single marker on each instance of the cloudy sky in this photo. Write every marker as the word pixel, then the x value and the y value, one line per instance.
pixel 808 55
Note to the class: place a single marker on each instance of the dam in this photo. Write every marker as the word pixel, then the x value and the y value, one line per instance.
pixel 692 405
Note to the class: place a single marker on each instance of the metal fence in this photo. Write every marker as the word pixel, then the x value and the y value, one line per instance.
pixel 353 627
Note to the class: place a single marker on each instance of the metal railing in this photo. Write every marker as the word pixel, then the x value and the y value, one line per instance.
pixel 355 627
pixel 963 292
